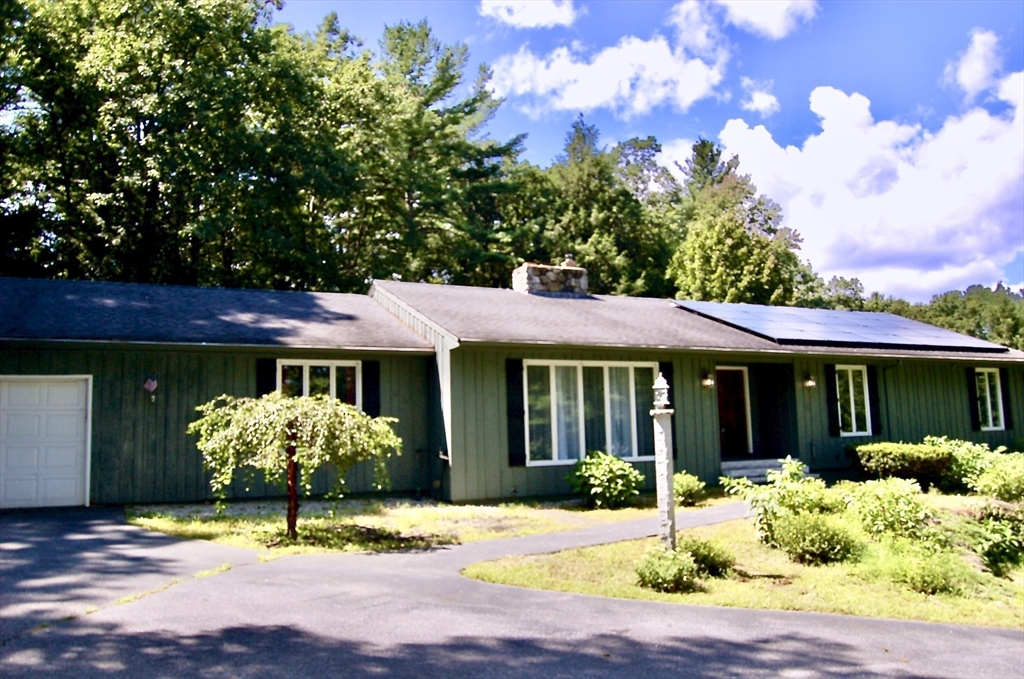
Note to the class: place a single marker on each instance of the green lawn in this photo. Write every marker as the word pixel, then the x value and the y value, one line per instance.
pixel 379 524
pixel 764 579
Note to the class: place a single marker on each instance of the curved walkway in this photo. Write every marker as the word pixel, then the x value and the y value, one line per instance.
pixel 411 614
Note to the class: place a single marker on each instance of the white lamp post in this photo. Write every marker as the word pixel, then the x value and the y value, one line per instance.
pixel 662 415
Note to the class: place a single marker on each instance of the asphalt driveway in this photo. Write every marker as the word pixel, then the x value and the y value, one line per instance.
pixel 412 614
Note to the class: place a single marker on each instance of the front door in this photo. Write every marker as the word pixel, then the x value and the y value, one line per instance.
pixel 732 413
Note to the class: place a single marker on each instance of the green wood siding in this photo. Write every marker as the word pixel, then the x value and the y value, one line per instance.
pixel 918 398
pixel 140 452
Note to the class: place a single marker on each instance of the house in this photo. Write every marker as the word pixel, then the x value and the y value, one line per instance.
pixel 98 382
pixel 498 391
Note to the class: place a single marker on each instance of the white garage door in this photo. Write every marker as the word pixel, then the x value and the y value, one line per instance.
pixel 44 429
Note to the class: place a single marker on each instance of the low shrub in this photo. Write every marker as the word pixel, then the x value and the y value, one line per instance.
pixel 927 571
pixel 816 538
pixel 788 491
pixel 890 506
pixel 688 489
pixel 924 463
pixel 605 480
pixel 713 561
pixel 1003 478
pixel 967 462
pixel 1000 536
pixel 666 571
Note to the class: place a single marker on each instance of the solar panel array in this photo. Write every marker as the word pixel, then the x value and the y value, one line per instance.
pixel 790 325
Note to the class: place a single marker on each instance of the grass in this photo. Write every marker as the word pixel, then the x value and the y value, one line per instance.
pixel 765 578
pixel 380 524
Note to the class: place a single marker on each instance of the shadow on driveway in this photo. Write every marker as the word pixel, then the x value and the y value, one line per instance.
pixel 57 563
pixel 253 651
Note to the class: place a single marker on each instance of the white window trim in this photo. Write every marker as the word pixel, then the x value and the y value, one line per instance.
pixel 991 373
pixel 88 414
pixel 863 369
pixel 306 363
pixel 551 364
pixel 746 401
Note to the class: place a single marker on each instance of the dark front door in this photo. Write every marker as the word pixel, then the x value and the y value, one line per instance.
pixel 732 414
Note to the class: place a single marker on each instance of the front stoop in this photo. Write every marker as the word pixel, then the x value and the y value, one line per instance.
pixel 755 470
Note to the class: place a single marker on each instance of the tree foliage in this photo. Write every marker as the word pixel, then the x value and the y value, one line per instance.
pixel 281 435
pixel 196 143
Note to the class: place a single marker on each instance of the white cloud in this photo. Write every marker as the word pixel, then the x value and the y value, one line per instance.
pixel 759 97
pixel 774 19
pixel 976 69
pixel 529 13
pixel 630 78
pixel 909 212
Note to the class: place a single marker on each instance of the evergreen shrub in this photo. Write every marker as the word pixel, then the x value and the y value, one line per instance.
pixel 924 463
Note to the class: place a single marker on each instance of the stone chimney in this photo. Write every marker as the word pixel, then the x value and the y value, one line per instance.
pixel 564 280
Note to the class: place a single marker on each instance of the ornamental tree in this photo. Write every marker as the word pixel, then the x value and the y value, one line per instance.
pixel 285 436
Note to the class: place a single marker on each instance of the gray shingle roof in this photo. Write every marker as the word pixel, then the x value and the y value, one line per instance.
pixel 489 315
pixel 123 312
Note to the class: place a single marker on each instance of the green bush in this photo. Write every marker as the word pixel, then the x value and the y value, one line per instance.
pixel 713 561
pixel 667 571
pixel 688 489
pixel 605 480
pixel 967 462
pixel 890 506
pixel 927 571
pixel 816 538
pixel 1000 536
pixel 788 491
pixel 926 464
pixel 1003 479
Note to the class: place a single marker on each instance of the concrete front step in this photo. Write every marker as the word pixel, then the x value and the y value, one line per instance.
pixel 754 470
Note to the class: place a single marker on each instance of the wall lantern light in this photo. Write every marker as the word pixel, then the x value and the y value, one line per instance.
pixel 809 381
pixel 707 380
pixel 150 386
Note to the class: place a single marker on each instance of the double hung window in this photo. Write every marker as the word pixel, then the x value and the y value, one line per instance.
pixel 573 407
pixel 990 402
pixel 852 397
pixel 339 379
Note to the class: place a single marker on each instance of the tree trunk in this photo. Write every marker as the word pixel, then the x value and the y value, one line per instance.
pixel 293 490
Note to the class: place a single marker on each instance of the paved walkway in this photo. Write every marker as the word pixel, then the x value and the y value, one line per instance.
pixel 412 614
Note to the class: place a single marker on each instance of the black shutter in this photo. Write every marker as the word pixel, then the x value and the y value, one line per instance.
pixel 874 404
pixel 831 400
pixel 371 388
pixel 266 375
pixel 1004 386
pixel 516 414
pixel 665 368
pixel 972 396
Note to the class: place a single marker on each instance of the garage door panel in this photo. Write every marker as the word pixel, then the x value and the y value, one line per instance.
pixel 62 457
pixel 64 427
pixel 65 395
pixel 22 426
pixel 60 491
pixel 43 446
pixel 21 458
pixel 21 492
pixel 21 394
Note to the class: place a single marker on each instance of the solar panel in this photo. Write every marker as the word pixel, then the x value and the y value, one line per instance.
pixel 792 325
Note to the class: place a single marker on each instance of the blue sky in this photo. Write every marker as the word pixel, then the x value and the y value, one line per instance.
pixel 892 133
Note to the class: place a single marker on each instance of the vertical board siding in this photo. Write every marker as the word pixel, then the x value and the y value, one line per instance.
pixel 140 452
pixel 917 398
